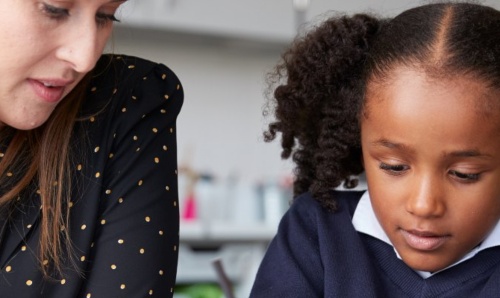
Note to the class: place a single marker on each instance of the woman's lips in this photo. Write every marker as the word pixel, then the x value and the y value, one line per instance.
pixel 423 240
pixel 48 92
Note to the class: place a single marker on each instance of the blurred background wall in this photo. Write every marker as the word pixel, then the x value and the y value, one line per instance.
pixel 233 186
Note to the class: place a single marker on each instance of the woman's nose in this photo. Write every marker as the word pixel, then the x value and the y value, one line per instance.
pixel 80 47
pixel 427 198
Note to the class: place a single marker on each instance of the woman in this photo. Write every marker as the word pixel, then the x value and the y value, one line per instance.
pixel 88 178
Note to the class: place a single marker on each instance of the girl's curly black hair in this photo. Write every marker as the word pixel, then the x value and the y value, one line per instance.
pixel 320 83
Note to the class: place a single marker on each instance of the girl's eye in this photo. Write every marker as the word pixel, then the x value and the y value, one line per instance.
pixel 465 177
pixel 103 19
pixel 394 170
pixel 56 13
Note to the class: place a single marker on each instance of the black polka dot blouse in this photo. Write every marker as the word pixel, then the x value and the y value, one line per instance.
pixel 124 220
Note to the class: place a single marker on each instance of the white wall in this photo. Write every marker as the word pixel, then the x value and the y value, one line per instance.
pixel 266 19
pixel 220 126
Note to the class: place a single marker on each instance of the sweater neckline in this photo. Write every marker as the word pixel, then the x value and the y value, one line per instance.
pixel 365 221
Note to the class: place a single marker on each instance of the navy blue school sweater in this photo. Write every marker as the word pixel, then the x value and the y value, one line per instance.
pixel 317 253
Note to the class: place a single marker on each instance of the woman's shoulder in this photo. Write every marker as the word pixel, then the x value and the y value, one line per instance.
pixel 122 80
pixel 131 66
pixel 114 70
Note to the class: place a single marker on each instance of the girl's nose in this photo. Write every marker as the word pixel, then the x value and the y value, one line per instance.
pixel 426 199
pixel 80 47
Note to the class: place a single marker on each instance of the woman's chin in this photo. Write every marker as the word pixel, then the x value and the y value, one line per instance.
pixel 26 124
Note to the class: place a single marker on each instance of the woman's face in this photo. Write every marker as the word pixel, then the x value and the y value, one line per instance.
pixel 46 47
pixel 431 150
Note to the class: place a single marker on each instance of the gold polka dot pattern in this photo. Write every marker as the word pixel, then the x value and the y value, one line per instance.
pixel 123 218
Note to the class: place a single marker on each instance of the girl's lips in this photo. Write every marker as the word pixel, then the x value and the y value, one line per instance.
pixel 50 94
pixel 422 240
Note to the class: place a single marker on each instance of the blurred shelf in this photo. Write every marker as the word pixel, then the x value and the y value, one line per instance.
pixel 195 264
pixel 168 37
pixel 196 231
pixel 257 19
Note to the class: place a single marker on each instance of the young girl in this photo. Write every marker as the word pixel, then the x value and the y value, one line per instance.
pixel 414 103
pixel 88 182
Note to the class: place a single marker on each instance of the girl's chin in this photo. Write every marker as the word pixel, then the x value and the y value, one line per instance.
pixel 425 263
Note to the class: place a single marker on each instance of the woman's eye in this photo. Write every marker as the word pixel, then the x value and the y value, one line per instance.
pixel 54 12
pixel 57 13
pixel 394 170
pixel 103 19
pixel 465 177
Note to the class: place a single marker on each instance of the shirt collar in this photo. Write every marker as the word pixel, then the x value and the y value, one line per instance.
pixel 365 221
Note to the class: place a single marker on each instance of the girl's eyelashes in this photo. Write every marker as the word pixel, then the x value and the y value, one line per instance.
pixel 465 177
pixel 58 13
pixel 399 169
pixel 394 170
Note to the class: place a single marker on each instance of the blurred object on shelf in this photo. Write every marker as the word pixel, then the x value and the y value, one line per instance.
pixel 195 260
pixel 242 201
pixel 198 291
pixel 190 208
pixel 275 197
pixel 190 182
pixel 236 221
pixel 224 282
pixel 300 7
pixel 205 198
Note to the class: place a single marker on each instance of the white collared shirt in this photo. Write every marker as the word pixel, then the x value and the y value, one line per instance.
pixel 365 221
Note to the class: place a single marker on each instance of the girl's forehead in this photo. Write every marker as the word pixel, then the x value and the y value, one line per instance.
pixel 405 84
pixel 431 116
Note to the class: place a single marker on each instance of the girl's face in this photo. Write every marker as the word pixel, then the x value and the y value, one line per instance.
pixel 431 150
pixel 46 47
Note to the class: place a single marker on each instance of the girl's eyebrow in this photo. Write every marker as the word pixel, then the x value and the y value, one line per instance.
pixel 458 153
pixel 468 153
pixel 391 145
